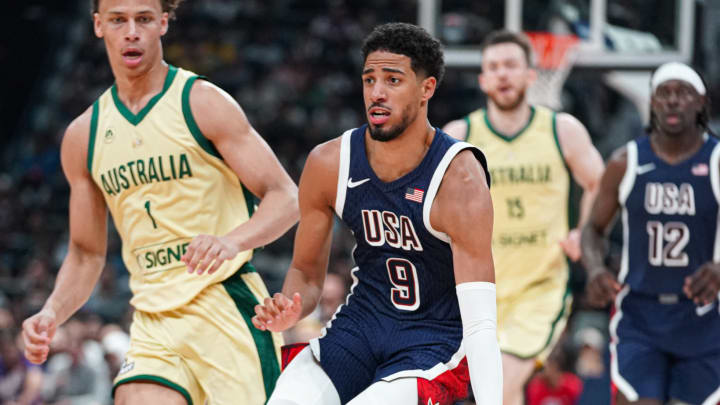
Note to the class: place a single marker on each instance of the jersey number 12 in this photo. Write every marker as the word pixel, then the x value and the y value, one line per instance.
pixel 667 242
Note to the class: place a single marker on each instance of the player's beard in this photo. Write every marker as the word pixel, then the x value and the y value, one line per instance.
pixel 386 135
pixel 512 104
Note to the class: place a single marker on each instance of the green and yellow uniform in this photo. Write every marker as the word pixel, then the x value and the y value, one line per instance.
pixel 530 188
pixel 164 184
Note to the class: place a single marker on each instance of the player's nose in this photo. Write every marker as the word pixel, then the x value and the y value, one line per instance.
pixel 378 92
pixel 132 34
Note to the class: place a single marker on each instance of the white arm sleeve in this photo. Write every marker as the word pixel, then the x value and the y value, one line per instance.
pixel 478 310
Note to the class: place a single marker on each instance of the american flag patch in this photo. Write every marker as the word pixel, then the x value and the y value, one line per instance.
pixel 700 169
pixel 414 194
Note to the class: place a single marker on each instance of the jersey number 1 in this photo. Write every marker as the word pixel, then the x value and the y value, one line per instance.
pixel 405 294
pixel 147 208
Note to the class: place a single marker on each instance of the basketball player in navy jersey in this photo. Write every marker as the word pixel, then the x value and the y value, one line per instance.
pixel 420 320
pixel 665 332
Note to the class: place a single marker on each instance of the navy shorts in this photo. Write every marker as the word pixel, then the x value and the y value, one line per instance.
pixel 665 350
pixel 358 351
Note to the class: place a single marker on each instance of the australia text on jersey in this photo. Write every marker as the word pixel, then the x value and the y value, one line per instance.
pixel 145 171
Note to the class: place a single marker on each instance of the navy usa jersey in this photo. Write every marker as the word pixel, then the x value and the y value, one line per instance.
pixel 401 318
pixel 405 268
pixel 669 216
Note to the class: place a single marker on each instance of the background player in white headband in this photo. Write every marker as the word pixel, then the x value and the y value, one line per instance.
pixel 666 327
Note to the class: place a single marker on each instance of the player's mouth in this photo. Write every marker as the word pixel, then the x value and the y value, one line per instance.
pixel 378 116
pixel 672 119
pixel 505 89
pixel 132 56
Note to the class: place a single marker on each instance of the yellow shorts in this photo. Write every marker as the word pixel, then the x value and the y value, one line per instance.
pixel 530 323
pixel 207 350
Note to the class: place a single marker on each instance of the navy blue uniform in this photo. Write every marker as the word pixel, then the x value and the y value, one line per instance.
pixel 401 318
pixel 664 346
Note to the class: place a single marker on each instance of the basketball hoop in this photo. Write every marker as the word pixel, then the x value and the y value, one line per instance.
pixel 555 55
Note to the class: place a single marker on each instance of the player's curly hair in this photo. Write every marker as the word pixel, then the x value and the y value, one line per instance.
pixel 168 6
pixel 424 51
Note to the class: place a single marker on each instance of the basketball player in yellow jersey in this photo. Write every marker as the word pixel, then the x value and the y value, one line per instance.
pixel 174 159
pixel 532 152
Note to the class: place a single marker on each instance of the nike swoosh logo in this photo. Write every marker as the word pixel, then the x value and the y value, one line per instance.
pixel 353 184
pixel 647 167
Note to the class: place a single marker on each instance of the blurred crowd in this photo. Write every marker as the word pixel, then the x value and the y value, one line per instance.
pixel 294 66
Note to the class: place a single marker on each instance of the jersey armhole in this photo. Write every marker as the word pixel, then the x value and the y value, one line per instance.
pixel 205 144
pixel 343 172
pixel 93 133
pixel 437 178
pixel 200 138
pixel 628 180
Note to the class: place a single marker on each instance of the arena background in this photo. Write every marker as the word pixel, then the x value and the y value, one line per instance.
pixel 294 67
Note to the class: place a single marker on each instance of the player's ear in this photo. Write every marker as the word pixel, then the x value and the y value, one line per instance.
pixel 164 19
pixel 532 75
pixel 97 27
pixel 429 84
pixel 482 83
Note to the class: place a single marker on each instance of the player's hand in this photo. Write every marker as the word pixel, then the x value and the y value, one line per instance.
pixel 278 313
pixel 602 287
pixel 703 286
pixel 208 252
pixel 37 333
pixel 571 245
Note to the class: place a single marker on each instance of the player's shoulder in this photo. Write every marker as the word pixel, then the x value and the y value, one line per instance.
pixel 618 160
pixel 457 128
pixel 568 124
pixel 465 173
pixel 325 157
pixel 78 131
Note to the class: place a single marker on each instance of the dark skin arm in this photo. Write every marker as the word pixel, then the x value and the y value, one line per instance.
pixel 602 285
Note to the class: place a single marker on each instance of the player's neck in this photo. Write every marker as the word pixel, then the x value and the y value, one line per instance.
pixel 509 122
pixel 676 148
pixel 394 159
pixel 136 90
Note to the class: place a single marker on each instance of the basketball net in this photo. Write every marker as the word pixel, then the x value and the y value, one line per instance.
pixel 555 55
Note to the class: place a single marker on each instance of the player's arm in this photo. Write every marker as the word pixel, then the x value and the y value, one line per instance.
pixel 602 285
pixel 306 276
pixel 586 166
pixel 224 123
pixel 457 129
pixel 86 249
pixel 463 210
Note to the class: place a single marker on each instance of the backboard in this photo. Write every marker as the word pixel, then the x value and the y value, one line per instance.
pixel 614 34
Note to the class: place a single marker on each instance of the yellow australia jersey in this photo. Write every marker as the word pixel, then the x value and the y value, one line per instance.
pixel 164 184
pixel 530 191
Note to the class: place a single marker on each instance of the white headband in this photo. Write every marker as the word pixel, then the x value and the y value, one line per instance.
pixel 677 71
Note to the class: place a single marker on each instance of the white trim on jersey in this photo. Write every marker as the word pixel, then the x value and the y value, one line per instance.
pixel 713 399
pixel 626 186
pixel 625 258
pixel 434 371
pixel 628 180
pixel 435 185
pixel 715 182
pixel 343 172
pixel 314 344
pixel 621 383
